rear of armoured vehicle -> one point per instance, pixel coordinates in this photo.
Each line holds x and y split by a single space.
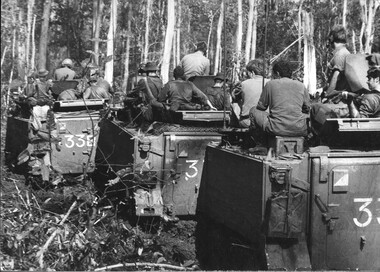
293 209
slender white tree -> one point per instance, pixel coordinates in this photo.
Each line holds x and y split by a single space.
168 42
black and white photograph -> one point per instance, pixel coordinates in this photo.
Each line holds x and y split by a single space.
190 135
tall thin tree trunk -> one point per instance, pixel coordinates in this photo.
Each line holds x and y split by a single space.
211 18
353 42
97 20
29 20
219 39
254 31
33 55
344 15
21 56
179 21
44 37
310 72
108 75
168 42
239 35
300 33
249 32
127 49
373 5
147 28
13 66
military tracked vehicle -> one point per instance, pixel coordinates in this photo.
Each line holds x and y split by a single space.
70 152
158 171
296 207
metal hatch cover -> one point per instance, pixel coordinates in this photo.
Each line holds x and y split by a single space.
353 221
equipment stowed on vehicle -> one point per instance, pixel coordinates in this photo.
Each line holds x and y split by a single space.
295 208
160 169
63 146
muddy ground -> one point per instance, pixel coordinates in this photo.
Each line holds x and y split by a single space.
60 228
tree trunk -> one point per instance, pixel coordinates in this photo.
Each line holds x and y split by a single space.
211 21
310 71
218 39
44 37
127 49
147 28
179 21
21 56
254 31
344 15
249 32
353 42
13 66
96 24
300 33
108 74
239 35
29 19
373 5
168 42
33 56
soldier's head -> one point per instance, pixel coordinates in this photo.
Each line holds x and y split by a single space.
179 73
373 76
202 46
282 68
255 67
67 63
150 68
337 35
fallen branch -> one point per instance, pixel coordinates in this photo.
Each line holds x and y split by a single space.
166 266
40 253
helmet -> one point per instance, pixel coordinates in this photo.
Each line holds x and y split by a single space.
68 62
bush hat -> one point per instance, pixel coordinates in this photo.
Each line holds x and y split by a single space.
220 76
150 67
43 72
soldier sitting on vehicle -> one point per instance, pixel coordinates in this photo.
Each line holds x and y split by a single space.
196 64
65 72
216 94
182 94
288 102
95 91
366 105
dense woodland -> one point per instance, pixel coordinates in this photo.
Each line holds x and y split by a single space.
119 35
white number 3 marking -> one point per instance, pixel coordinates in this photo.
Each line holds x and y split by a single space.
192 166
363 208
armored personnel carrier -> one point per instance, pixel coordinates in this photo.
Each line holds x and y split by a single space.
296 207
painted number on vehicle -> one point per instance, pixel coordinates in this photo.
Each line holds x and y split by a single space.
365 220
194 170
79 140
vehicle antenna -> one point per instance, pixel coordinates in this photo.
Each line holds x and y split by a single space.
224 64
265 42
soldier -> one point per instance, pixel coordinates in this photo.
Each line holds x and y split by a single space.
196 64
288 102
181 93
249 92
366 105
216 94
66 72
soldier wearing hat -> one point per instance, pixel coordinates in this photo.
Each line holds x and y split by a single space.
65 72
196 64
40 93
216 94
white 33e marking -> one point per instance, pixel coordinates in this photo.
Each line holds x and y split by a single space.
79 140
363 208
